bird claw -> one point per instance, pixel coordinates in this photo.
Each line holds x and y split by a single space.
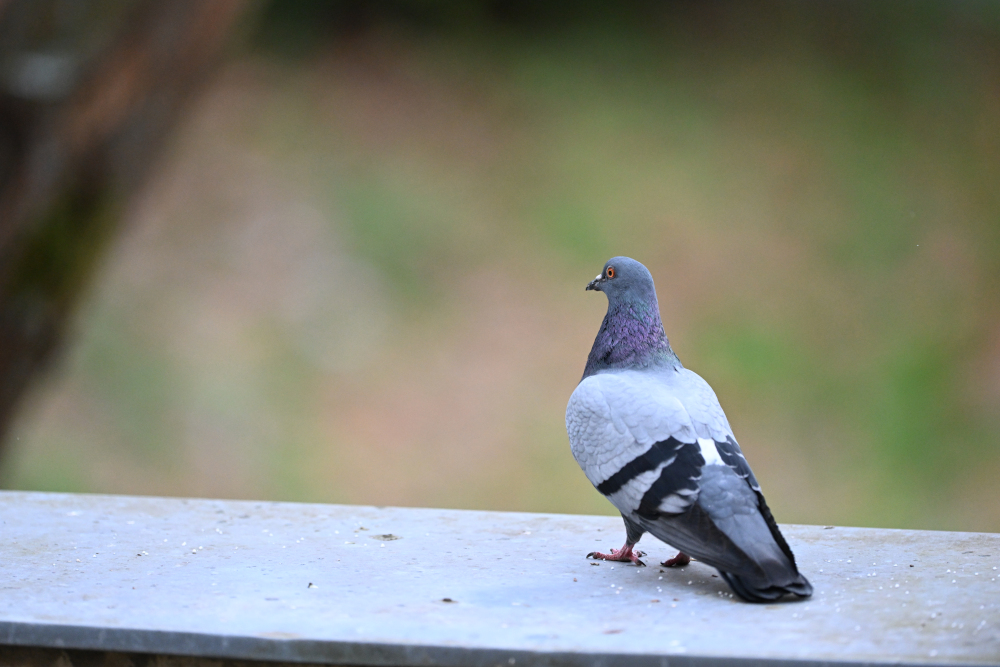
680 560
625 554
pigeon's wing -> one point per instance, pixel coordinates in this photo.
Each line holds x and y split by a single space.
639 437
635 441
730 499
706 413
700 402
710 421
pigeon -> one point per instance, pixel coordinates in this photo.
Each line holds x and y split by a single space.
651 436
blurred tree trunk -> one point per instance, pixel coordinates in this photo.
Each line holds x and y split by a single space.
88 91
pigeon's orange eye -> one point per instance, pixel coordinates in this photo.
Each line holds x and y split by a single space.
611 272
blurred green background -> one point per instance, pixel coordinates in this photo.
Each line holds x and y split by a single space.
357 274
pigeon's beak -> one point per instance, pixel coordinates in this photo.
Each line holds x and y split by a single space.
595 284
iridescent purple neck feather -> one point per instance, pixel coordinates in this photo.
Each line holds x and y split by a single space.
631 337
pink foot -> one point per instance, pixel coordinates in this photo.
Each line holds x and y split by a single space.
680 560
625 554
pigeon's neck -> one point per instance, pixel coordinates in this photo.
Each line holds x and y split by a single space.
631 337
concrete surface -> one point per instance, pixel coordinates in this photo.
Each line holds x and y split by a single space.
383 586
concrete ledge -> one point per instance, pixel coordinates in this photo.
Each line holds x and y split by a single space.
330 584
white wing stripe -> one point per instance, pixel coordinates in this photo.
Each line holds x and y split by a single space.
710 452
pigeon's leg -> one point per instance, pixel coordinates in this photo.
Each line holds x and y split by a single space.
680 560
632 534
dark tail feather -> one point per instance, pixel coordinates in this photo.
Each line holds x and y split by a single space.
755 593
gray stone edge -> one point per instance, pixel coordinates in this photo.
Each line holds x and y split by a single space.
376 654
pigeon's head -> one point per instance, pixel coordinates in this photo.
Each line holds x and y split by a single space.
624 279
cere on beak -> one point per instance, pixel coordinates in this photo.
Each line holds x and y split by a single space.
595 284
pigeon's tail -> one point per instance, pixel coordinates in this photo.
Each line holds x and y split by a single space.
774 572
752 591
791 581
731 528
754 564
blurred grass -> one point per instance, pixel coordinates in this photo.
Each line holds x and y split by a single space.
359 277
